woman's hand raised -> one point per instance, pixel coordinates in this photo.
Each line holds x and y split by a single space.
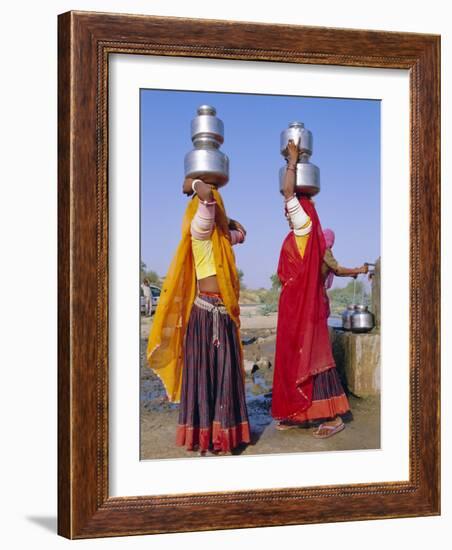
293 151
203 190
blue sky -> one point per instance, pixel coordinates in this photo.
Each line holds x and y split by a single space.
346 149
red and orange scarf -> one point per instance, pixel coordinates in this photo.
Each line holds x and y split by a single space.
303 347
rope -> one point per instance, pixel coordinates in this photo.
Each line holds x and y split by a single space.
215 310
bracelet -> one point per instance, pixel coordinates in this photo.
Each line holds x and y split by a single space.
193 184
291 167
290 198
207 203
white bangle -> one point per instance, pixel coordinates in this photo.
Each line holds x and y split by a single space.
290 198
193 185
303 231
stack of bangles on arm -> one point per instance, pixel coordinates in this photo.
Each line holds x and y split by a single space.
300 220
204 220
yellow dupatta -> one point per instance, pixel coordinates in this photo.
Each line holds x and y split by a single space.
166 339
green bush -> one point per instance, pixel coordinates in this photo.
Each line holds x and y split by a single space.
341 297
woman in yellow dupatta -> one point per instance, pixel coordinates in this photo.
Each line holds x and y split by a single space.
194 343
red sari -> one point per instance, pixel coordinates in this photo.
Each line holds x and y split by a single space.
303 348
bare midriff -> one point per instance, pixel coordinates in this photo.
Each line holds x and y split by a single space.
209 284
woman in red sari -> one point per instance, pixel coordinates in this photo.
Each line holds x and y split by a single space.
307 390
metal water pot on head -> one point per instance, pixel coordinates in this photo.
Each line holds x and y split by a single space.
362 319
206 161
307 174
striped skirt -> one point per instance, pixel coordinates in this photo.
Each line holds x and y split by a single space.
328 400
212 413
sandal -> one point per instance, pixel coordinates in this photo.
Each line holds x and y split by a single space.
331 430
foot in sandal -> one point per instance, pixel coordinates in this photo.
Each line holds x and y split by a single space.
283 426
328 429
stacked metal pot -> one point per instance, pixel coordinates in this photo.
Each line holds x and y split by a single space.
308 174
206 161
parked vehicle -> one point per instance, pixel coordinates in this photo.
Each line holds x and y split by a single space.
155 295
155 292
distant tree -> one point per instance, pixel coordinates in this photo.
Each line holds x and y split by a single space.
341 297
270 298
241 275
152 276
276 283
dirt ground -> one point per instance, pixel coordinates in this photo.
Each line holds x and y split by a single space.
159 417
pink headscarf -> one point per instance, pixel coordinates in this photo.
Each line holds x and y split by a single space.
329 240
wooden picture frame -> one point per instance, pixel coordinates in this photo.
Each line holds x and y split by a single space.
85 42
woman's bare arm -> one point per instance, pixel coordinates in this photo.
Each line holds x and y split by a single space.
204 191
290 176
350 271
238 232
339 270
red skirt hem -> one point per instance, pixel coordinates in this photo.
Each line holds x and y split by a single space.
323 408
216 437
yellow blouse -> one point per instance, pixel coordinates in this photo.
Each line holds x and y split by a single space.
203 257
302 240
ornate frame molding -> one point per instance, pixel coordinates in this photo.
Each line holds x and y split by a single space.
85 42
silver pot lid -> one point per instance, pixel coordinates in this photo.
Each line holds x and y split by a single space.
361 307
206 110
